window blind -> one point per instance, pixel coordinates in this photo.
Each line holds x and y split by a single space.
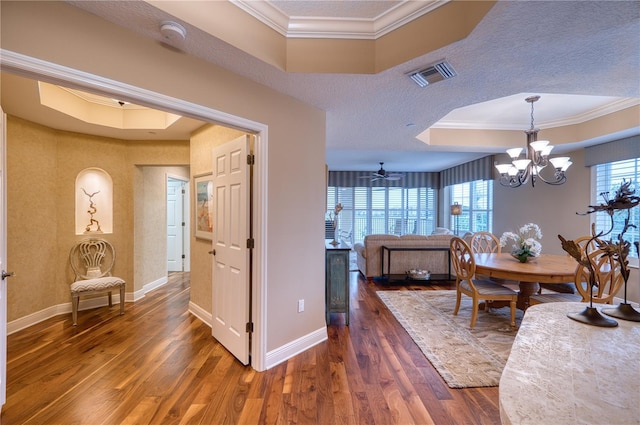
375 210
609 176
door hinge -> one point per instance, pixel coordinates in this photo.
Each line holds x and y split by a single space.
249 328
184 256
250 243
183 224
251 159
184 191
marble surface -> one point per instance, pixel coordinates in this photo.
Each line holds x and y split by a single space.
564 372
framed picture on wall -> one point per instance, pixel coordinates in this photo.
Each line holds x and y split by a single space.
204 206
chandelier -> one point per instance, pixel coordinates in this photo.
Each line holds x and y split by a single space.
535 161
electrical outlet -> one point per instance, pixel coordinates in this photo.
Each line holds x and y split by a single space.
300 306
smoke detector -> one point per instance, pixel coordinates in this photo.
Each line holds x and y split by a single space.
439 71
173 33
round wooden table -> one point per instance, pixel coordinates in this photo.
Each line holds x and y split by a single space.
547 268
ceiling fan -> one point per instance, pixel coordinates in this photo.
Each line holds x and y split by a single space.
382 174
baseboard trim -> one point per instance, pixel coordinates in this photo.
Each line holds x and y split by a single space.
65 308
85 304
200 313
285 352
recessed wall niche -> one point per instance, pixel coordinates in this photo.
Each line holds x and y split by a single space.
94 202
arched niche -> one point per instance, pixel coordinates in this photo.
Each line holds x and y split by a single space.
94 202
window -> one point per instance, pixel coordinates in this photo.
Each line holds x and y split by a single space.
608 178
476 198
394 210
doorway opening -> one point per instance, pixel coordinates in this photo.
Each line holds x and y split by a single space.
178 214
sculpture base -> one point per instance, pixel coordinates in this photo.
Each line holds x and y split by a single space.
334 242
591 316
623 311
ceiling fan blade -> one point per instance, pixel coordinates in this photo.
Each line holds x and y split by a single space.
394 178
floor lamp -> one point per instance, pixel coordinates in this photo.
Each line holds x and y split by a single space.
456 210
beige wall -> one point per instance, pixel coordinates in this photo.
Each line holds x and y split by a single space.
150 221
294 269
42 165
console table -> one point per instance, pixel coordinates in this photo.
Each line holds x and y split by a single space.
337 279
565 372
387 250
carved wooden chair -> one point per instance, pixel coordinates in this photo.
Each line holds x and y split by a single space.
569 287
92 261
608 277
478 289
485 242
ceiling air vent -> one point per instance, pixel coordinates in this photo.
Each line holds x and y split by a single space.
432 74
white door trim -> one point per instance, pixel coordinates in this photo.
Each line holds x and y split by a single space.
53 73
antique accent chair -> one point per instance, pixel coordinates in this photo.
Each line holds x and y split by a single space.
478 289
92 260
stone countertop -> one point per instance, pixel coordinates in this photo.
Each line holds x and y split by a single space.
561 371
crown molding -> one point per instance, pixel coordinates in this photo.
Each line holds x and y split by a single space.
342 28
610 108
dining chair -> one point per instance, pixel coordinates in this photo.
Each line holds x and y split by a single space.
608 280
569 287
486 290
485 242
92 260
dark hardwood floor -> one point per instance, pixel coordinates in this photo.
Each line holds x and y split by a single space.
158 364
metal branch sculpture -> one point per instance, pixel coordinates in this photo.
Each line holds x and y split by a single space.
624 200
92 210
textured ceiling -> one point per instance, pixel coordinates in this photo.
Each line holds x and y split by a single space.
551 48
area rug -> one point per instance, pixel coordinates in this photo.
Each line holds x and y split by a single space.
464 357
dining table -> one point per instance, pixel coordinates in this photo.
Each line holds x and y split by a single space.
546 268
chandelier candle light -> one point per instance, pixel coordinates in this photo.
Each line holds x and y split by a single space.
536 158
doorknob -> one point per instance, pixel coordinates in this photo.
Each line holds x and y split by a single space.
6 274
212 252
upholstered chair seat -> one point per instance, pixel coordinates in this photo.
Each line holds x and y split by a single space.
92 261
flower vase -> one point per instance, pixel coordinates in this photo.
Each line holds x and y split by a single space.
523 258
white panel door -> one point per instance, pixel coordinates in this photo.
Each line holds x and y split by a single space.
3 260
175 225
231 255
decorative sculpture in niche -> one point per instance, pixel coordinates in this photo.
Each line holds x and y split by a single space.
92 210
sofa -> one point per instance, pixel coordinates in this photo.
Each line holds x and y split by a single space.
369 251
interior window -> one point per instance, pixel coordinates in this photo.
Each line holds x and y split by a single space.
476 198
383 210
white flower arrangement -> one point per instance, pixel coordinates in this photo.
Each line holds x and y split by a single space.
525 243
